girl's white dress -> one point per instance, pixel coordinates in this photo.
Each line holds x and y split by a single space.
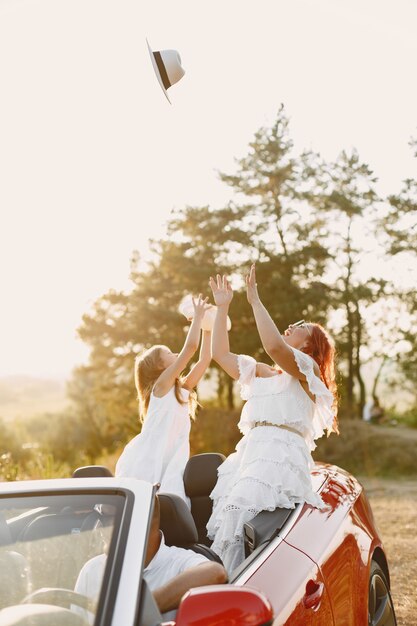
160 452
271 465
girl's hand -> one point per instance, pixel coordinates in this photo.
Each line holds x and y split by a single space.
200 307
251 286
222 290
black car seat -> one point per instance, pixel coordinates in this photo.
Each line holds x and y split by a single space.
179 528
200 478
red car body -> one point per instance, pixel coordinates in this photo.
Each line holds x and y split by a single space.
325 555
317 570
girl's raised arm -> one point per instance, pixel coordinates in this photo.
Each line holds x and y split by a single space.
223 294
198 370
168 377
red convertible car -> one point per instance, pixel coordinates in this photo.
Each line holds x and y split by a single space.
303 566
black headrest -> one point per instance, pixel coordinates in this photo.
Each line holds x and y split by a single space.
177 523
92 471
200 474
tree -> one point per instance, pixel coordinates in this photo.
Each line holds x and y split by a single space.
273 187
400 227
400 222
348 199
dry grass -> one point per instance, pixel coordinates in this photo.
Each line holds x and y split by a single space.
394 503
369 450
362 449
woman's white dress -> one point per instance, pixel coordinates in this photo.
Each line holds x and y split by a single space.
160 452
271 466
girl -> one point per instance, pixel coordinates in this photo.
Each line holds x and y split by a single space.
287 408
160 452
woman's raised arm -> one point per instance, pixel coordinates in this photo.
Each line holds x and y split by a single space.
271 338
220 348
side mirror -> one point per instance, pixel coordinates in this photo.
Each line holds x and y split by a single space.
224 604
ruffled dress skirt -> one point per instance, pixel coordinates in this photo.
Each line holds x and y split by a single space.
270 469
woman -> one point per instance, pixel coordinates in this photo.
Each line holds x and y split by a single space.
288 407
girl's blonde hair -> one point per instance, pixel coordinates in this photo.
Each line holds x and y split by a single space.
148 368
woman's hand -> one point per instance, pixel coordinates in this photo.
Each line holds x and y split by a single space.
251 286
222 290
200 307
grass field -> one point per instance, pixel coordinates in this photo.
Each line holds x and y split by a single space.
394 503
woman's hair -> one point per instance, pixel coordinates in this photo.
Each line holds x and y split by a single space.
148 368
320 347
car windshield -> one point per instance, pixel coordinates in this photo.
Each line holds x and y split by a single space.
54 551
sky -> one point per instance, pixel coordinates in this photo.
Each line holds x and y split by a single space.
93 158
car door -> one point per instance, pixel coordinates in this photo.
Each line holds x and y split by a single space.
336 539
293 584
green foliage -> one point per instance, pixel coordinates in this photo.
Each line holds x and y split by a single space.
408 418
47 446
347 196
400 222
215 430
400 227
13 451
44 465
362 448
9 469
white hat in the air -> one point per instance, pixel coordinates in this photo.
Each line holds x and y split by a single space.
167 66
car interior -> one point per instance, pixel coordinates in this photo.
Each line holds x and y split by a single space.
43 548
46 547
187 529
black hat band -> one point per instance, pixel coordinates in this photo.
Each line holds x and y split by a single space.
162 70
